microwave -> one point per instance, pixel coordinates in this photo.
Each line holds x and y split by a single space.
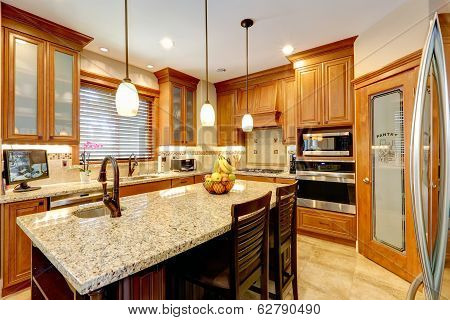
183 164
327 144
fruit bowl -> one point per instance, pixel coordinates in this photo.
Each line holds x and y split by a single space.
222 179
221 187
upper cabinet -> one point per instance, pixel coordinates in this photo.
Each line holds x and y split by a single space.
177 108
227 133
324 87
41 77
269 92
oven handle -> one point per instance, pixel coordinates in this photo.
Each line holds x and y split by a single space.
325 178
326 134
348 175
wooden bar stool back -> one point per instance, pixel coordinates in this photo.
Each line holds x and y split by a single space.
250 249
285 241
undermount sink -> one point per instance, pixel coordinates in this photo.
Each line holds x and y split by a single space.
93 212
138 178
89 213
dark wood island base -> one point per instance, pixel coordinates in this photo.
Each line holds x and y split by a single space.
47 283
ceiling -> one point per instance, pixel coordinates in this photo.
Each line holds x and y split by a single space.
302 23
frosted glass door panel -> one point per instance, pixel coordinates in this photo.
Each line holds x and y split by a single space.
177 106
25 87
388 189
189 116
63 94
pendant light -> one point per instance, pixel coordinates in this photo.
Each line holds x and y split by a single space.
247 119
207 115
127 98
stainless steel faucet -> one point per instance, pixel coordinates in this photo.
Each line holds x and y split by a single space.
112 203
131 167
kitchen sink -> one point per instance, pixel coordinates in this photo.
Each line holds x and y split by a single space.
137 178
94 212
89 213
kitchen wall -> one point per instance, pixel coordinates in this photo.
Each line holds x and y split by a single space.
401 32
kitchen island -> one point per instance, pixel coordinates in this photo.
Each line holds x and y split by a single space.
104 257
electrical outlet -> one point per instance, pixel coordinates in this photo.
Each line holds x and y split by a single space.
275 151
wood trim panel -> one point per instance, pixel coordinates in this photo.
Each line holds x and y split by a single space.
172 75
31 24
113 83
277 73
323 50
405 63
284 180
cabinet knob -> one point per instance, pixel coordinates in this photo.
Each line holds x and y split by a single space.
366 180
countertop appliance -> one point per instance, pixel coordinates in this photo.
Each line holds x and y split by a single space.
163 165
327 144
183 164
23 166
326 185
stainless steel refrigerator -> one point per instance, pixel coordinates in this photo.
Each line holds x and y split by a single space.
430 170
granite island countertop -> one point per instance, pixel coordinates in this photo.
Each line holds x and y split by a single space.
92 253
59 189
282 175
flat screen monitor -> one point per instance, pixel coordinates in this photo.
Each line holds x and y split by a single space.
22 166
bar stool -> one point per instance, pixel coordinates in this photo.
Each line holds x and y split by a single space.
284 234
231 266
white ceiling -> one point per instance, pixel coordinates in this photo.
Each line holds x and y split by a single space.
301 23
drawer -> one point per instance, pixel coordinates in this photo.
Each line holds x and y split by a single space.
199 179
180 182
284 180
327 223
144 188
255 178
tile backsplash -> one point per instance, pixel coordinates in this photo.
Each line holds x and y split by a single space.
265 149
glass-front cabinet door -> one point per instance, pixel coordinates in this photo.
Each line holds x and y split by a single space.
64 94
24 88
177 115
190 121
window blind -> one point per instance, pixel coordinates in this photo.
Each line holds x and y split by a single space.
119 136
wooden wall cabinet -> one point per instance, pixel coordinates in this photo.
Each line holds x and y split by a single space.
227 132
270 92
324 85
16 258
177 108
289 112
41 78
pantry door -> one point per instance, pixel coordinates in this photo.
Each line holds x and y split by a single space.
385 221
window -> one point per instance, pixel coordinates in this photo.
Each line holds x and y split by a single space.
119 136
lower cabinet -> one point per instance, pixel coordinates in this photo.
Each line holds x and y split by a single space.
265 179
338 227
16 258
181 182
144 188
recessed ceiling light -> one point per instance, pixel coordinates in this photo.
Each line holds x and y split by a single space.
166 43
221 70
150 66
103 49
288 49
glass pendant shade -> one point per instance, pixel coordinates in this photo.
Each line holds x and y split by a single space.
247 122
207 115
127 99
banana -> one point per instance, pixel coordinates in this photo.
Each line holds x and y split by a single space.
228 166
216 166
223 166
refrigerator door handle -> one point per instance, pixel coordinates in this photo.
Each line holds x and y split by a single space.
432 269
411 295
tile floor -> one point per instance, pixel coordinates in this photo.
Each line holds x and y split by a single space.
328 270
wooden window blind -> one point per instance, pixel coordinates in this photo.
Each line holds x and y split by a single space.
120 136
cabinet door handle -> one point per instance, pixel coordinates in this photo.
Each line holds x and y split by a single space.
366 180
41 203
